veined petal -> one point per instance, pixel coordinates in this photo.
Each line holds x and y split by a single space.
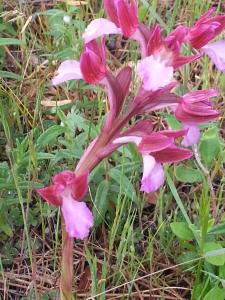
100 27
154 142
110 8
127 16
172 154
52 194
192 137
154 73
153 175
68 70
78 218
216 51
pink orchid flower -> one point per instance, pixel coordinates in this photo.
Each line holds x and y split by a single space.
216 51
163 56
206 29
195 108
123 16
67 191
91 68
156 148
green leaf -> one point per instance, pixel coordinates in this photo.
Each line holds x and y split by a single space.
214 253
4 226
125 185
182 231
217 229
49 136
186 174
101 202
9 41
209 146
11 75
172 122
215 293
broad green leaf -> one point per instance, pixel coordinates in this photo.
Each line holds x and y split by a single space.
186 174
49 136
9 41
214 253
101 202
215 293
209 146
182 230
125 185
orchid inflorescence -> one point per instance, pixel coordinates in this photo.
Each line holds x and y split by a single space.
160 56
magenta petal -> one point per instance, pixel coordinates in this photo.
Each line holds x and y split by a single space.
68 70
172 154
153 177
154 142
216 51
78 218
64 178
52 194
79 187
192 137
99 27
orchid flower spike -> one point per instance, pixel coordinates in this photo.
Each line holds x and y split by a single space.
67 191
195 108
156 148
91 68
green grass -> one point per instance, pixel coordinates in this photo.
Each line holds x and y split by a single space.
134 250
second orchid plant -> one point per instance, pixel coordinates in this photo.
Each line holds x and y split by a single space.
160 56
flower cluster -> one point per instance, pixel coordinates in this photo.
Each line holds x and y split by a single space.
160 56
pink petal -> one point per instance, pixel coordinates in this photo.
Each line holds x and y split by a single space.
216 51
111 11
153 175
124 79
127 16
154 142
79 187
68 70
99 27
154 72
192 137
172 154
52 194
127 139
142 128
174 133
64 178
78 218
